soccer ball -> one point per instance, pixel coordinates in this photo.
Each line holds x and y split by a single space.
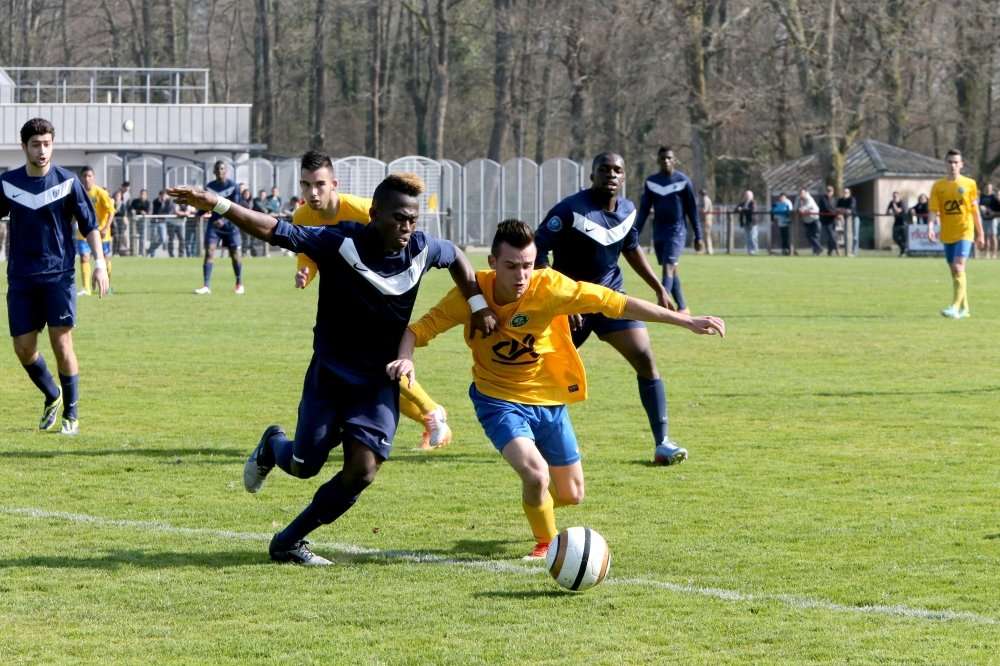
578 558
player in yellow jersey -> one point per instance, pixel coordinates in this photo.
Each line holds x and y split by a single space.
104 206
527 371
954 205
324 205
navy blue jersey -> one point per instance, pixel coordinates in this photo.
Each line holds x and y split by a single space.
366 296
226 189
586 240
42 210
672 200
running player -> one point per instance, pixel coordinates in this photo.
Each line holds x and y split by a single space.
954 205
326 206
586 233
219 229
42 200
372 275
670 195
524 376
104 207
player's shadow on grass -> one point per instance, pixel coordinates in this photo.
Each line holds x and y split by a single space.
117 559
198 456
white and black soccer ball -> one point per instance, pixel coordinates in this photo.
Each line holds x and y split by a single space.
578 558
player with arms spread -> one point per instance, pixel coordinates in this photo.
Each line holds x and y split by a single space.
326 206
587 232
220 229
42 200
526 374
104 207
372 275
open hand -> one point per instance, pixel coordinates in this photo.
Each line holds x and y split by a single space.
194 196
708 326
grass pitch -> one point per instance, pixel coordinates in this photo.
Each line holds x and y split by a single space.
840 504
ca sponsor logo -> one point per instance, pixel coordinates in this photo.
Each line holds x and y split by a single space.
516 352
953 206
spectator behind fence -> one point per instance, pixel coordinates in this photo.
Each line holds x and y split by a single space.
259 202
781 214
274 203
707 218
746 209
989 207
897 209
848 207
162 205
809 217
190 218
290 207
120 238
828 219
136 207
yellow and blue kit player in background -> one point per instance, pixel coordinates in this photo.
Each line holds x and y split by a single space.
324 205
954 204
104 208
529 370
42 201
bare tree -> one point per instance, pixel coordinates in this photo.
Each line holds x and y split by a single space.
503 64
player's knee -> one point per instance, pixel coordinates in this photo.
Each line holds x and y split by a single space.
572 495
305 469
535 480
25 351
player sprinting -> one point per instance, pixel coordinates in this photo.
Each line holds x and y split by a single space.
954 204
587 232
326 206
669 194
42 200
104 208
220 230
526 373
372 275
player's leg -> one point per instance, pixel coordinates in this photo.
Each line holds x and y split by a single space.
556 441
83 249
955 255
108 254
26 349
61 338
208 262
415 403
668 253
234 243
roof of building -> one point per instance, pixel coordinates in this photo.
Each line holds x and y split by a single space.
866 160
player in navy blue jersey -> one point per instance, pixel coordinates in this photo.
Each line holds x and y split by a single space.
586 233
371 274
42 200
222 230
670 196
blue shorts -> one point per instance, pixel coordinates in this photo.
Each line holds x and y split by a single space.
83 248
953 251
30 306
331 411
228 236
668 250
602 326
547 425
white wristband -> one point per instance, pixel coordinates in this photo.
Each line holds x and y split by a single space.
477 303
101 265
222 205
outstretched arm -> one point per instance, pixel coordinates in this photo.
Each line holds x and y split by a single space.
256 224
636 258
636 308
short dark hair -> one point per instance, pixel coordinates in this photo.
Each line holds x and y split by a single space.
953 152
409 184
126 183
664 149
314 159
217 164
36 127
86 169
515 233
605 156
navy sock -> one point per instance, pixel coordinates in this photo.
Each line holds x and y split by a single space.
238 269
281 449
206 271
71 394
42 378
329 503
668 283
676 292
654 401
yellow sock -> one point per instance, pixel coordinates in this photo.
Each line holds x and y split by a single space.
87 272
415 393
408 409
108 259
958 285
965 291
542 520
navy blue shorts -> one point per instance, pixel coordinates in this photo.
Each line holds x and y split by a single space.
602 325
229 236
668 250
546 425
31 306
332 410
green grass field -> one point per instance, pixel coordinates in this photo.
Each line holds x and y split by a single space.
841 503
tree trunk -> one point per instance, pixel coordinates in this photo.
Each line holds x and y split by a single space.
263 94
318 92
503 62
578 81
544 94
703 130
441 78
373 137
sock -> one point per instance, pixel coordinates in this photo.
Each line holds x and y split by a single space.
238 270
963 293
108 259
542 519
416 393
206 270
958 289
281 449
654 401
87 271
668 283
71 394
42 378
330 502
676 292
409 409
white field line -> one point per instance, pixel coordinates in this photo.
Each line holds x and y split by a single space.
506 567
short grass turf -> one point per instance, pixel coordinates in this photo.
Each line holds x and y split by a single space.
840 504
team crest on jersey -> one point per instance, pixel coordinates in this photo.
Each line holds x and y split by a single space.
555 224
520 319
961 190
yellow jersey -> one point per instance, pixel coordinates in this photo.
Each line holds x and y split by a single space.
104 207
350 209
957 203
531 358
